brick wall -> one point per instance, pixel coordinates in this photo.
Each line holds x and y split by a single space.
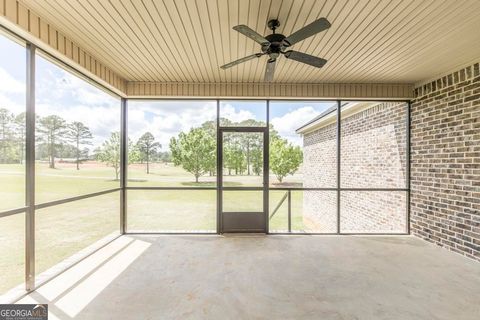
373 155
320 171
445 162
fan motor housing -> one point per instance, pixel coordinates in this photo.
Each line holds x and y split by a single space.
276 45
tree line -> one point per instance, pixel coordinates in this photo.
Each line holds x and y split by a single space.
12 136
195 150
145 150
56 138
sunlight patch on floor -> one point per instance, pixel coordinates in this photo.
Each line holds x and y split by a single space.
79 297
60 284
73 290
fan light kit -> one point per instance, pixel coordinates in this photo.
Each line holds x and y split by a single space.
276 44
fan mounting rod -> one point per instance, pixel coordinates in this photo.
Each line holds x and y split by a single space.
273 24
275 41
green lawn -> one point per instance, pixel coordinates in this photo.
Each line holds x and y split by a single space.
63 230
53 184
195 210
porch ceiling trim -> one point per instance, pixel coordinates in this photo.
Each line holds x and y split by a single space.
272 90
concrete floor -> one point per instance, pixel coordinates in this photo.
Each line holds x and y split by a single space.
266 277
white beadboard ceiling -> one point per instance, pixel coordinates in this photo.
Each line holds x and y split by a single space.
390 41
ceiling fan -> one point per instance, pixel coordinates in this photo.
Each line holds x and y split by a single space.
275 44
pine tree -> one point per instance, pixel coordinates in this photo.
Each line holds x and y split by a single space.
53 131
80 135
147 147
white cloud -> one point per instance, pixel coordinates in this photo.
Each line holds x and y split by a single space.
15 105
55 84
291 121
84 92
228 111
166 120
70 97
9 84
101 120
12 93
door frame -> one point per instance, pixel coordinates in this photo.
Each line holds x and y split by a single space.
221 188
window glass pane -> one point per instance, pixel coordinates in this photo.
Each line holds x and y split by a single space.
373 144
319 212
12 249
242 159
278 215
64 230
172 143
312 211
246 113
242 201
12 124
77 147
303 144
373 211
172 210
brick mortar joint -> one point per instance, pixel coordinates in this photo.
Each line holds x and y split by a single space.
447 81
444 166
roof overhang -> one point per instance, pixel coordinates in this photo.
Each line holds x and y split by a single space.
374 50
330 115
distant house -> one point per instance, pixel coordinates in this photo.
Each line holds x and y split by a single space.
373 155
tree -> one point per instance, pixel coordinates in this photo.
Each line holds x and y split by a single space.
210 128
134 155
244 151
6 118
147 147
233 153
235 160
194 151
6 121
163 156
53 132
80 135
257 161
251 142
66 151
109 153
20 133
285 158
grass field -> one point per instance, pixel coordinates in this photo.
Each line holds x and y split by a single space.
63 230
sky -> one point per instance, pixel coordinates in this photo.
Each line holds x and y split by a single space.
166 119
61 93
12 75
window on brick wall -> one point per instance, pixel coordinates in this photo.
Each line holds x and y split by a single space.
172 146
373 211
303 156
373 145
373 156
